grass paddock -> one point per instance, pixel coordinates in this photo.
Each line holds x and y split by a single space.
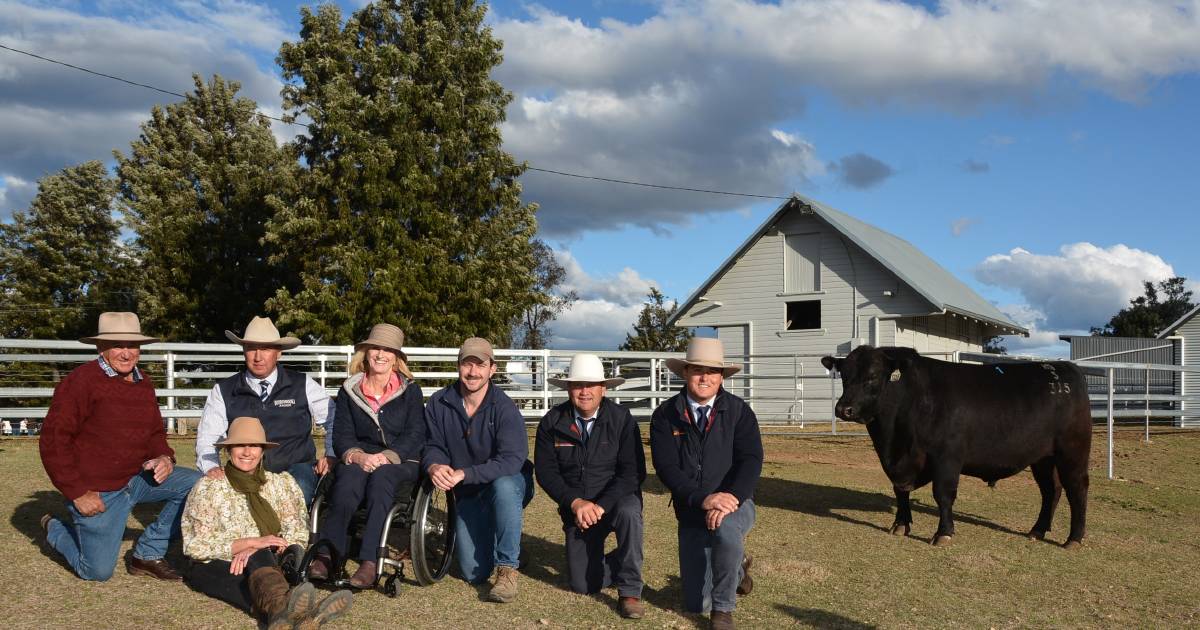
823 557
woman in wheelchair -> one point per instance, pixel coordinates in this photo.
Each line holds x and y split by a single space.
236 527
378 437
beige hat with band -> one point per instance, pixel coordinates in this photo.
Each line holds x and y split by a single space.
585 368
476 347
262 332
705 352
385 336
246 431
119 326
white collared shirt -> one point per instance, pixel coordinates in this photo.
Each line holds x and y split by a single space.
587 422
693 406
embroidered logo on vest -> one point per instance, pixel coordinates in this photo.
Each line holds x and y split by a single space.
286 402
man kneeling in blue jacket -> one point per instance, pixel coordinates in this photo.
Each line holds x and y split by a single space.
477 447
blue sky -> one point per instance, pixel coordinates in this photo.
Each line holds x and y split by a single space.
1044 153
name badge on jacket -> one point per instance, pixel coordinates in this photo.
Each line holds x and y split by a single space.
286 402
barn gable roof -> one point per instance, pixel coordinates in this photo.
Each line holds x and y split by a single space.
1169 330
938 286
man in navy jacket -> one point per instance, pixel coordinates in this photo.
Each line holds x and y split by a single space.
588 457
476 446
708 452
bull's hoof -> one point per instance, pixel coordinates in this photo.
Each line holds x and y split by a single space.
942 540
899 529
1072 544
1036 535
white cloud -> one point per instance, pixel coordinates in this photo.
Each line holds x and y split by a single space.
625 289
594 325
52 116
1083 286
1040 342
15 194
694 96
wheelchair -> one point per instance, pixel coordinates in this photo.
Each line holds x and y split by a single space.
420 525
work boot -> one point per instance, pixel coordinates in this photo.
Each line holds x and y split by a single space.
269 596
302 602
720 620
505 588
364 577
631 608
333 607
747 584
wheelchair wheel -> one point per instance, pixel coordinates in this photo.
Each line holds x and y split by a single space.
432 533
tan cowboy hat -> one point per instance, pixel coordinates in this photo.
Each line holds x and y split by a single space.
585 368
119 327
385 336
246 431
261 332
705 351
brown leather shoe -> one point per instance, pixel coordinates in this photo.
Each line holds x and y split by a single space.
631 608
747 584
364 577
318 568
154 568
720 620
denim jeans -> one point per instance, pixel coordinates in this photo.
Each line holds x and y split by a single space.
306 477
487 526
91 543
710 562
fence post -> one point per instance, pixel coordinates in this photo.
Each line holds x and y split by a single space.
545 380
1147 404
1110 423
171 386
322 360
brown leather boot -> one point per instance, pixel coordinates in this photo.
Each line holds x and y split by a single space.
269 596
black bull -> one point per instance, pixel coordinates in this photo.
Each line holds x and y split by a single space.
932 420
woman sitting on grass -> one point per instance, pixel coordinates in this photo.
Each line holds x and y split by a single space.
235 527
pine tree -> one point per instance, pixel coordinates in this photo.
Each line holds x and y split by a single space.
61 263
412 213
199 185
652 332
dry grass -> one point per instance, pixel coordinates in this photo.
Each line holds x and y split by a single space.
823 557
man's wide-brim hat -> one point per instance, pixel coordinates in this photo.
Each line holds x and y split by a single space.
585 368
385 336
119 327
246 431
705 352
262 332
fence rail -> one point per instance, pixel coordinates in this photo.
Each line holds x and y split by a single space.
791 394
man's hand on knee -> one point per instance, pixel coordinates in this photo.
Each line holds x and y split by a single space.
445 477
720 501
586 513
161 466
89 504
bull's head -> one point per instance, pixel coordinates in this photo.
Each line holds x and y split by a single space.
866 373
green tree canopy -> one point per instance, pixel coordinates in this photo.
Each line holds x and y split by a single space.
412 213
651 332
61 263
199 185
1148 314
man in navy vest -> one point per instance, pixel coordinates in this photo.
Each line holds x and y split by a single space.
287 402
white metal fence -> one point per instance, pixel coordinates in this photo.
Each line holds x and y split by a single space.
789 393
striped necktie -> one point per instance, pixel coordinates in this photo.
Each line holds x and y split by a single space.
263 394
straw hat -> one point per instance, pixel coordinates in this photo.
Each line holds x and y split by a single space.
385 336
261 332
707 352
246 431
119 327
585 368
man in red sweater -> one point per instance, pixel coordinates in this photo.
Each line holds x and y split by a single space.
104 447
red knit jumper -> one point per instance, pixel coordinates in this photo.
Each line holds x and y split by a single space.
99 431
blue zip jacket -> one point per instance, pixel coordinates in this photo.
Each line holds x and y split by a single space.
489 445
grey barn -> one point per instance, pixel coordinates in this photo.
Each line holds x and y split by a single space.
812 281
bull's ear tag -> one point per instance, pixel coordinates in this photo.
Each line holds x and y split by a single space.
895 376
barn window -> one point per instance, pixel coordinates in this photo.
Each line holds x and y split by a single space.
804 315
802 263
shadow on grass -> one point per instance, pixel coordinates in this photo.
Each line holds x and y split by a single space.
833 502
26 519
822 618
